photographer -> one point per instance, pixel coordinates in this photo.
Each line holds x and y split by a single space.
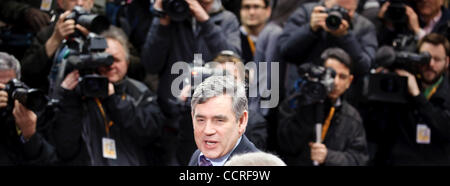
20 141
204 28
416 18
113 130
343 136
313 27
37 60
417 132
307 34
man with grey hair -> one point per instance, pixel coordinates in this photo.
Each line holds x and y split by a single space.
219 115
114 130
20 143
209 30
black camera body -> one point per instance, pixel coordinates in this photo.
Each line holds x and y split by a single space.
335 16
315 83
93 22
87 56
33 99
396 14
91 84
178 10
396 11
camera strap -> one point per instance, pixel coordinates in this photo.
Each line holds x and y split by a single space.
102 111
252 44
432 90
327 122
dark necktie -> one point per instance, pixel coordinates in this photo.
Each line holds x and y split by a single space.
204 161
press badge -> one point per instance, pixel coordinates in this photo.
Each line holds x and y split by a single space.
109 148
423 134
46 5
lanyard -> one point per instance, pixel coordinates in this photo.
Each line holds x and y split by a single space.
252 45
102 111
327 122
432 90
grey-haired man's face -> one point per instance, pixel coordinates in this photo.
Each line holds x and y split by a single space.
6 75
70 4
216 130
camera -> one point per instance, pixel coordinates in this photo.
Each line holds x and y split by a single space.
335 16
396 14
396 11
315 83
390 87
178 10
87 56
93 22
33 99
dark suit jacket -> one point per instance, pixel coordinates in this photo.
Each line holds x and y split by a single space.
244 146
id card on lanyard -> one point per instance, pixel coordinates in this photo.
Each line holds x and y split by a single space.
423 134
108 144
46 5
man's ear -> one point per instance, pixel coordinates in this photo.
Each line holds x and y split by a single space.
350 80
242 122
269 12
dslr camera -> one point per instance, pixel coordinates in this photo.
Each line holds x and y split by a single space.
93 22
390 87
335 16
396 14
87 59
32 99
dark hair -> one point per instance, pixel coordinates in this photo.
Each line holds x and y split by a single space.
435 39
338 54
266 2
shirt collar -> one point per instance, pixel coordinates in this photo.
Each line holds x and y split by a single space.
220 161
252 37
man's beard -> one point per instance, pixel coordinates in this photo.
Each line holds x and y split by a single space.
434 80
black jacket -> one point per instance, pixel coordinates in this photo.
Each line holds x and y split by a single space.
345 139
177 42
298 43
396 126
80 127
245 146
13 151
36 64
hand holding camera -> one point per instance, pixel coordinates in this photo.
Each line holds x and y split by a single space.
179 10
398 14
25 120
413 88
198 11
335 20
318 17
3 96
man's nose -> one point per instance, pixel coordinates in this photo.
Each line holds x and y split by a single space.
80 2
209 128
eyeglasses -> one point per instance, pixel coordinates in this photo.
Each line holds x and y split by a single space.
256 7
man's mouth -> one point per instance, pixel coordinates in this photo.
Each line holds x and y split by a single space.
210 143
